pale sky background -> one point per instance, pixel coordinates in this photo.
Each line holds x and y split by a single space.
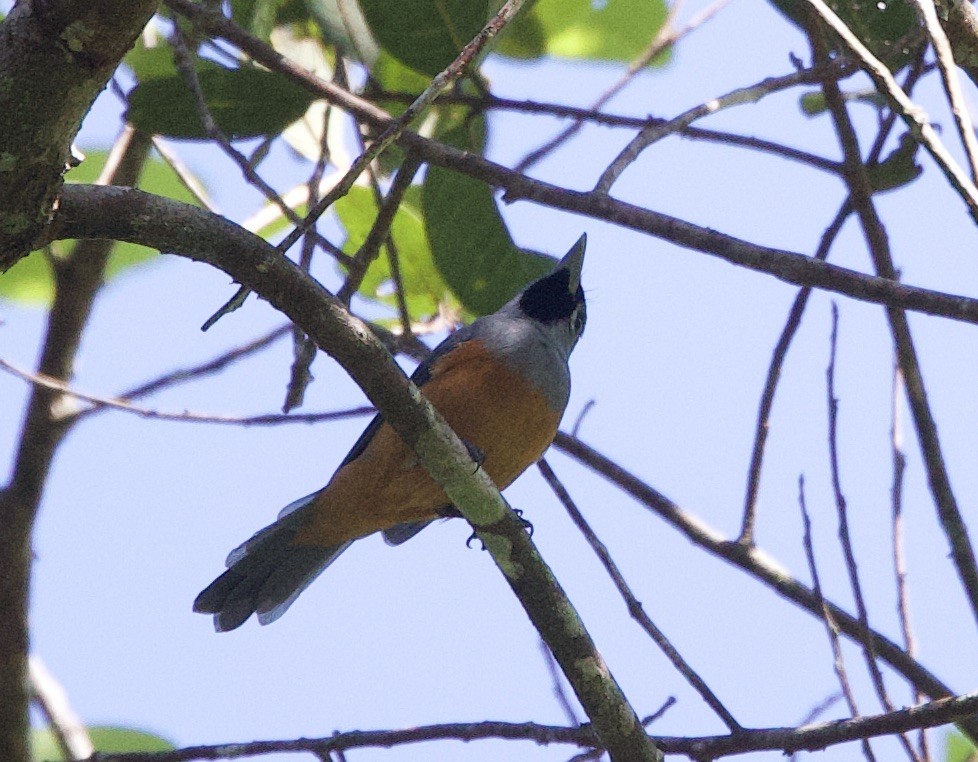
139 515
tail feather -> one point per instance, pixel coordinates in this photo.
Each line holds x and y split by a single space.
266 573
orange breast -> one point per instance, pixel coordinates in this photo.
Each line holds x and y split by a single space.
485 402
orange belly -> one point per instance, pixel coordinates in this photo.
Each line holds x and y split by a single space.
487 405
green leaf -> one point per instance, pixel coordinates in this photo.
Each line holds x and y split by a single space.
150 63
426 35
813 103
959 749
424 288
106 739
613 30
244 102
31 282
899 168
470 243
260 17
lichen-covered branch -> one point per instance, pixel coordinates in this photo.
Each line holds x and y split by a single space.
125 214
55 58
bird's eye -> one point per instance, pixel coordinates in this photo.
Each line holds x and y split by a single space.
580 318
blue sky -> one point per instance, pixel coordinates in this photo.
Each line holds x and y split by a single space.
139 515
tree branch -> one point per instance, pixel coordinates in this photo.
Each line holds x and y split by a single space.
129 215
77 278
759 565
785 265
787 740
55 58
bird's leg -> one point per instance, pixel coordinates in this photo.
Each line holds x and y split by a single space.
476 453
527 526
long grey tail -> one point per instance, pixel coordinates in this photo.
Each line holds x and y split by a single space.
266 573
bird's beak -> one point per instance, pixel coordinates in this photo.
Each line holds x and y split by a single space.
574 262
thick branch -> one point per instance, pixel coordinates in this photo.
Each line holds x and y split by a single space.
55 58
128 215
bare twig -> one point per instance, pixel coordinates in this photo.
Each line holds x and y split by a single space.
183 172
303 348
559 692
51 697
393 129
740 96
914 116
831 628
635 608
845 537
860 192
774 375
381 228
791 327
195 372
99 402
666 38
899 558
760 565
183 58
786 740
592 116
952 85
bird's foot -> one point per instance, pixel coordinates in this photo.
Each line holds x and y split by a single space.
477 454
527 527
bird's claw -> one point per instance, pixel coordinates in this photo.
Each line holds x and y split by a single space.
476 453
527 527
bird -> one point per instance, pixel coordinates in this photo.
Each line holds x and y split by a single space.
502 383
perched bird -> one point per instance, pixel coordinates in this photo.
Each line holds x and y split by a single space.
502 383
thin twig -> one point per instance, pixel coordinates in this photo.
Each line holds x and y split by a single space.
778 357
184 174
949 515
817 711
831 628
914 116
396 127
665 38
558 686
635 608
52 699
381 228
845 537
590 115
192 373
757 563
952 85
742 95
303 348
899 557
183 59
46 382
